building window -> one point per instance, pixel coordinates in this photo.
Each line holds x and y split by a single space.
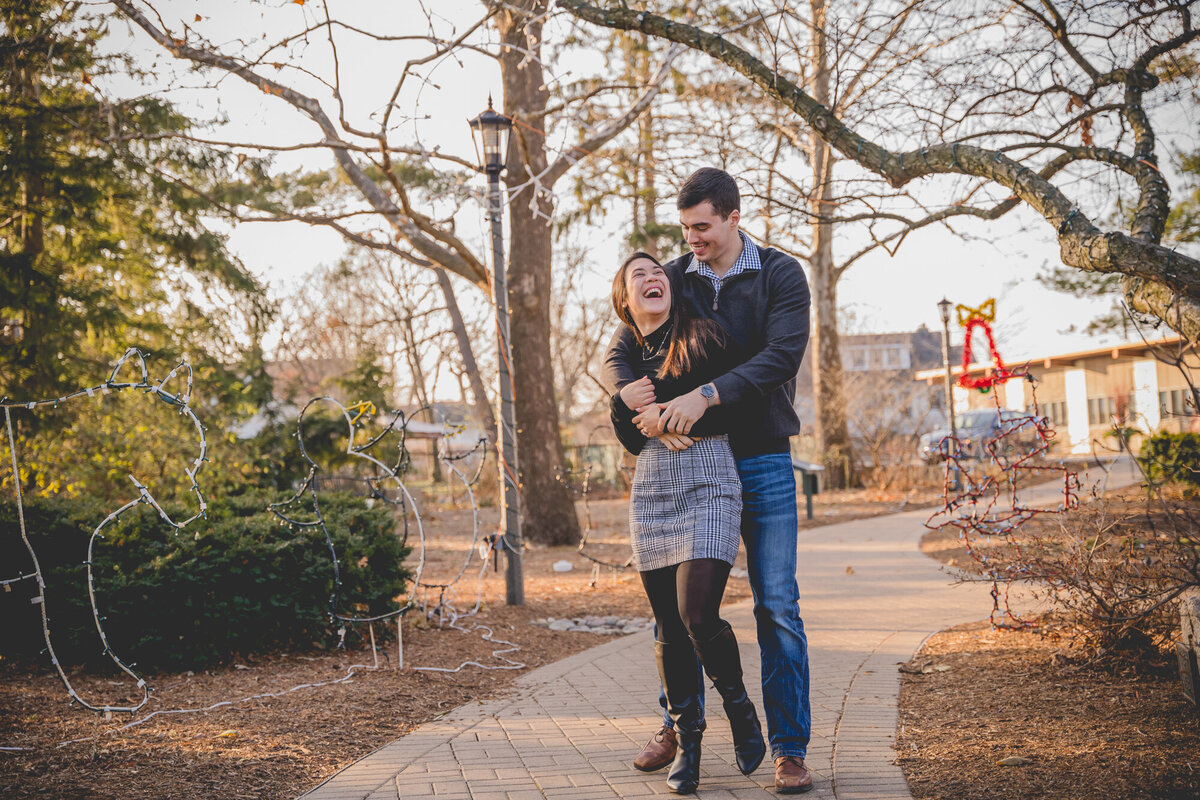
870 358
1176 402
896 357
856 358
1106 410
1055 412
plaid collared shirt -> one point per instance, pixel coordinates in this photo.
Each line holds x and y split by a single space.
747 261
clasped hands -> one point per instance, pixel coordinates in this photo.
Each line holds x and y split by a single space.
672 421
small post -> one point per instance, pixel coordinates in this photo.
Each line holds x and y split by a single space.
808 481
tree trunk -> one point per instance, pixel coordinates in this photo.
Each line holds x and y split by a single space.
548 513
40 291
419 390
647 171
832 431
483 407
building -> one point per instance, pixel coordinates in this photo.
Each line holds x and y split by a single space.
878 370
1146 385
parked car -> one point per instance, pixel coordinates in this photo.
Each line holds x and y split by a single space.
979 427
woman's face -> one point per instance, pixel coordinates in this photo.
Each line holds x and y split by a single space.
649 293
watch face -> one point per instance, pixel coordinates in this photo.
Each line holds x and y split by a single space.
708 391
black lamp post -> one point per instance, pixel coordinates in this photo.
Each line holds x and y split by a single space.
944 307
491 130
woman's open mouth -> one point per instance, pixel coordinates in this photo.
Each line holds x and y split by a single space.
652 292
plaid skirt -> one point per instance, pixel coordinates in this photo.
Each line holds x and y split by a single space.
685 505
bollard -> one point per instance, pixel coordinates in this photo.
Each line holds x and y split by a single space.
1187 649
809 481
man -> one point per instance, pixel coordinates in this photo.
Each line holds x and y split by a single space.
760 296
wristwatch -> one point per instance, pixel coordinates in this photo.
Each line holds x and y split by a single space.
708 392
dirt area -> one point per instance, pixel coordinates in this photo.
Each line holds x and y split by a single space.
975 697
1082 734
279 747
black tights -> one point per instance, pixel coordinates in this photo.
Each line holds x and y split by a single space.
686 599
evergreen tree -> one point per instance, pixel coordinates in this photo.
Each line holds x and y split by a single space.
103 242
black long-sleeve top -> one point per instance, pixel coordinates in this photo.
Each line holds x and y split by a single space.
642 361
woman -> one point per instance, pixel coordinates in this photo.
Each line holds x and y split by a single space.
685 513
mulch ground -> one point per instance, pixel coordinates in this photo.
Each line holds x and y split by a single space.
974 697
279 747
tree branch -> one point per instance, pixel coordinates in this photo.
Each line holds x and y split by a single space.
458 260
605 134
1166 274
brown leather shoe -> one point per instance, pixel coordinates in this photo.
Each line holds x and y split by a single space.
658 752
791 776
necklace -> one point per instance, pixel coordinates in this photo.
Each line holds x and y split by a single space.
650 352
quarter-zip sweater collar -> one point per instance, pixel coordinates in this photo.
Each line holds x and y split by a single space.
748 260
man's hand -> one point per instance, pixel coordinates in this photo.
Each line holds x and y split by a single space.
680 414
674 441
647 421
638 394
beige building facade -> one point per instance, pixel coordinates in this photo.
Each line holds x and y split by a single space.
1145 385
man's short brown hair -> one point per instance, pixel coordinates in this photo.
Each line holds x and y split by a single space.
714 185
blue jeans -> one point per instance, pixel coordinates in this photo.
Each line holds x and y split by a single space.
769 524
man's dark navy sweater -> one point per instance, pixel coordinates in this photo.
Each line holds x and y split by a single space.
765 311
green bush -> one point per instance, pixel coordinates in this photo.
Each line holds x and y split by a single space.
238 582
1172 458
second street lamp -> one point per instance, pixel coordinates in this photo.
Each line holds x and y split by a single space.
492 130
944 307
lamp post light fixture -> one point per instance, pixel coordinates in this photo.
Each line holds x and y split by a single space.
491 130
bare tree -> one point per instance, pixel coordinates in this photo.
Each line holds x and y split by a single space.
374 305
887 412
367 156
1039 107
796 187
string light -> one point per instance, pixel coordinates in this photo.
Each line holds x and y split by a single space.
385 475
982 317
975 507
444 609
159 391
585 493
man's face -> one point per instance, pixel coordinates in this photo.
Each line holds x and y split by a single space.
710 237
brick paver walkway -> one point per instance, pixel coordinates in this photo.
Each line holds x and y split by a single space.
568 731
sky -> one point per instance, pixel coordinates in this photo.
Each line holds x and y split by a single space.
881 293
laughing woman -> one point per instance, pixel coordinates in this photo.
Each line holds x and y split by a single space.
684 512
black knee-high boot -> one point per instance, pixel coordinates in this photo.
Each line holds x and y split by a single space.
677 670
722 662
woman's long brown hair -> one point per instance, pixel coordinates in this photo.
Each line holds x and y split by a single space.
690 337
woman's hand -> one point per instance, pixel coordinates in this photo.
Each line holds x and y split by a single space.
638 394
647 421
676 441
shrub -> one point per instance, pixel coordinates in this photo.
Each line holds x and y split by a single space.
1172 458
1111 569
237 582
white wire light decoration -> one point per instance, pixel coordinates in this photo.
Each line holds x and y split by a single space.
159 391
385 477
